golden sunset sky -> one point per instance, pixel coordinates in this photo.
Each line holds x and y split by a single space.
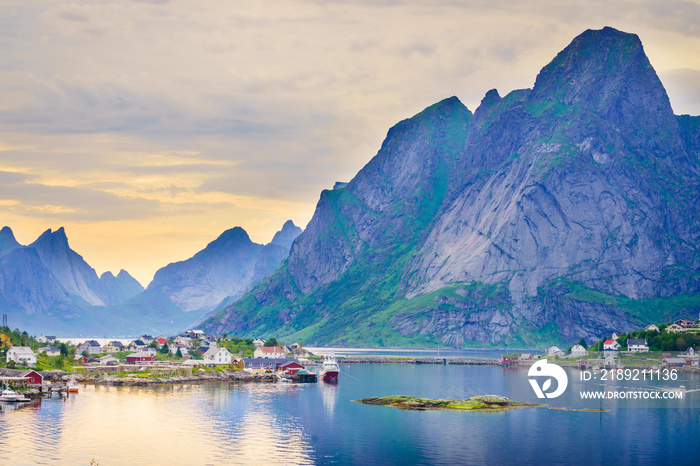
147 128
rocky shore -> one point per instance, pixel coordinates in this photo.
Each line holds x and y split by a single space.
475 403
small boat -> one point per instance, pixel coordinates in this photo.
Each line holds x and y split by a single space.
12 396
330 370
72 385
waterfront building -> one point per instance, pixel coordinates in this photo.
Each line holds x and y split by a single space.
22 355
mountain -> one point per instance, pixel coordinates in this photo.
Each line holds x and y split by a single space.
564 211
227 268
48 286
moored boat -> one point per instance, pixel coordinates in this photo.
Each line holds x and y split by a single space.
330 370
72 385
12 396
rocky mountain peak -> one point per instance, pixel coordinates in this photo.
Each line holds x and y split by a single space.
56 240
286 236
7 240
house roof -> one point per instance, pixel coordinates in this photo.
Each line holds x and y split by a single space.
610 342
21 349
117 344
278 362
215 351
91 343
578 348
139 343
636 342
161 340
271 349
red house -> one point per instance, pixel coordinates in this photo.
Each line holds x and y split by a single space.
140 357
33 377
291 367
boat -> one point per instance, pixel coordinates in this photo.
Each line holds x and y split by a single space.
72 385
12 396
330 370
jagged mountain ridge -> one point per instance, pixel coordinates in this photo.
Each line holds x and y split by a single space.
223 271
48 287
550 214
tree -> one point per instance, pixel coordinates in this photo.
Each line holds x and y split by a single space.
583 343
178 353
64 349
164 349
271 342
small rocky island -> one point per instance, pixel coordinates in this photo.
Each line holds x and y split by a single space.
475 403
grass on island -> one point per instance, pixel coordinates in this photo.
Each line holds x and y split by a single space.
475 403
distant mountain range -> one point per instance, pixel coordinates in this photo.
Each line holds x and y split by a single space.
48 287
564 211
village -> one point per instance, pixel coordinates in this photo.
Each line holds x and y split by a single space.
189 357
653 346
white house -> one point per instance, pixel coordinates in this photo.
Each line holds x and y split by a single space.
108 360
651 327
637 345
187 341
578 351
178 346
22 355
272 352
555 351
217 356
146 350
91 346
258 342
615 336
46 339
611 345
49 350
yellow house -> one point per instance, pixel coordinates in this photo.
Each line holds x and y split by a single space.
5 341
675 328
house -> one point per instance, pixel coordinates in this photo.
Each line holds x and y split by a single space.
675 328
147 350
160 341
208 342
22 355
675 362
79 358
274 352
651 327
91 346
615 336
178 346
46 339
108 360
139 357
611 345
508 360
195 334
183 340
33 377
685 323
258 342
113 347
147 339
525 357
136 345
265 363
49 351
635 345
291 367
555 351
217 356
578 351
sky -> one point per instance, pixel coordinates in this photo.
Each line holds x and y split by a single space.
146 128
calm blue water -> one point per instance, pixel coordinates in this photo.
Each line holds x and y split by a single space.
320 424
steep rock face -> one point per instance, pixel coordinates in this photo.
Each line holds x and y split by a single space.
7 240
68 268
389 201
227 268
47 285
555 213
120 288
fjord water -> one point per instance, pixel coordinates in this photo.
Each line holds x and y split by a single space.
229 423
